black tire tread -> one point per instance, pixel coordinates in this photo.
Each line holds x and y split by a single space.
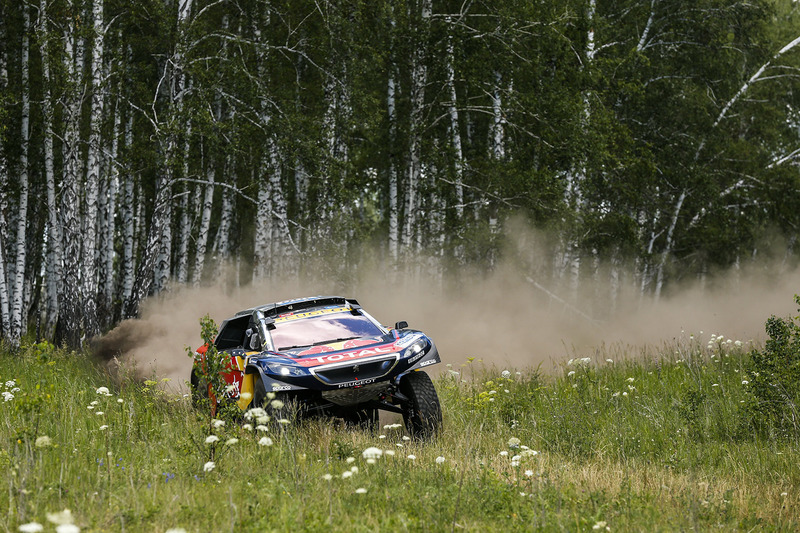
423 414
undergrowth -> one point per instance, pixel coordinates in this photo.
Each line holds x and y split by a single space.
625 439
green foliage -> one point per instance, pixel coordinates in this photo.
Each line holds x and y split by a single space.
774 375
604 444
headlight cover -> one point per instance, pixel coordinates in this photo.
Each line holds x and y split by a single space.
415 349
284 370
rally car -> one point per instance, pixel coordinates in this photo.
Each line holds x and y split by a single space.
326 355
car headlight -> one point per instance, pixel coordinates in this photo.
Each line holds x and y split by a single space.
284 370
414 349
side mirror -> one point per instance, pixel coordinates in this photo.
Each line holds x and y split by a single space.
401 325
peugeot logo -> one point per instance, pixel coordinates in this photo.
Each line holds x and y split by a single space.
356 368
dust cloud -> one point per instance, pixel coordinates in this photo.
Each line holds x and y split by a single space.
506 318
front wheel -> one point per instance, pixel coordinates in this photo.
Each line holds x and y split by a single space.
422 412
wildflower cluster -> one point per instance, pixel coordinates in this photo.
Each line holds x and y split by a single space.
63 520
9 388
519 454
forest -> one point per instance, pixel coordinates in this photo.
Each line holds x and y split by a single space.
149 144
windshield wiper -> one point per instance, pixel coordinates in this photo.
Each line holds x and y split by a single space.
335 340
328 341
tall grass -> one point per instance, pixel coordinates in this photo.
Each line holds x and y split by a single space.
624 439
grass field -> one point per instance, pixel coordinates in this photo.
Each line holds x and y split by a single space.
623 439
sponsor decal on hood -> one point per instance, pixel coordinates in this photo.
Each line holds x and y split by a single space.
351 355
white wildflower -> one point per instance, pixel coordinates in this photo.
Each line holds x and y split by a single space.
327 477
216 424
361 490
67 528
31 527
231 441
211 439
63 517
513 442
440 460
209 466
505 374
103 391
265 441
277 404
372 453
346 474
43 442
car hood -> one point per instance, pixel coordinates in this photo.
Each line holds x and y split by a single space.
350 350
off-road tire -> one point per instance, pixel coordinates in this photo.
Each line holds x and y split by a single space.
199 389
422 413
260 400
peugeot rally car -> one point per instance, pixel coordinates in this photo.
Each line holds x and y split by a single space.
326 355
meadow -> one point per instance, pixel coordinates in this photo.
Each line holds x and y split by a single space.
621 439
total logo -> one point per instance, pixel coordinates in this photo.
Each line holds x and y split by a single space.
347 356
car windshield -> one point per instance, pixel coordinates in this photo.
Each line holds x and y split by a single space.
321 329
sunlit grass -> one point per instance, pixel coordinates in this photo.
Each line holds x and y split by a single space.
624 439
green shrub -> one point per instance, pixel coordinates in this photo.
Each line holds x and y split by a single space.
774 380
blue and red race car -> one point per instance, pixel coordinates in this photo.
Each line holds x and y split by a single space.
326 355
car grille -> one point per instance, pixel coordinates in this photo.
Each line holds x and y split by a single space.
351 396
352 371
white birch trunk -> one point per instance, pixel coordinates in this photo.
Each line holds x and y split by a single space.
53 270
263 223
111 211
91 188
69 325
455 132
18 321
205 224
221 246
152 249
182 268
128 223
394 208
668 245
498 121
5 311
419 78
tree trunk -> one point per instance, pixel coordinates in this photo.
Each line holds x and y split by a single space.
91 189
394 208
145 273
261 251
455 132
5 314
18 320
69 319
205 223
128 214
